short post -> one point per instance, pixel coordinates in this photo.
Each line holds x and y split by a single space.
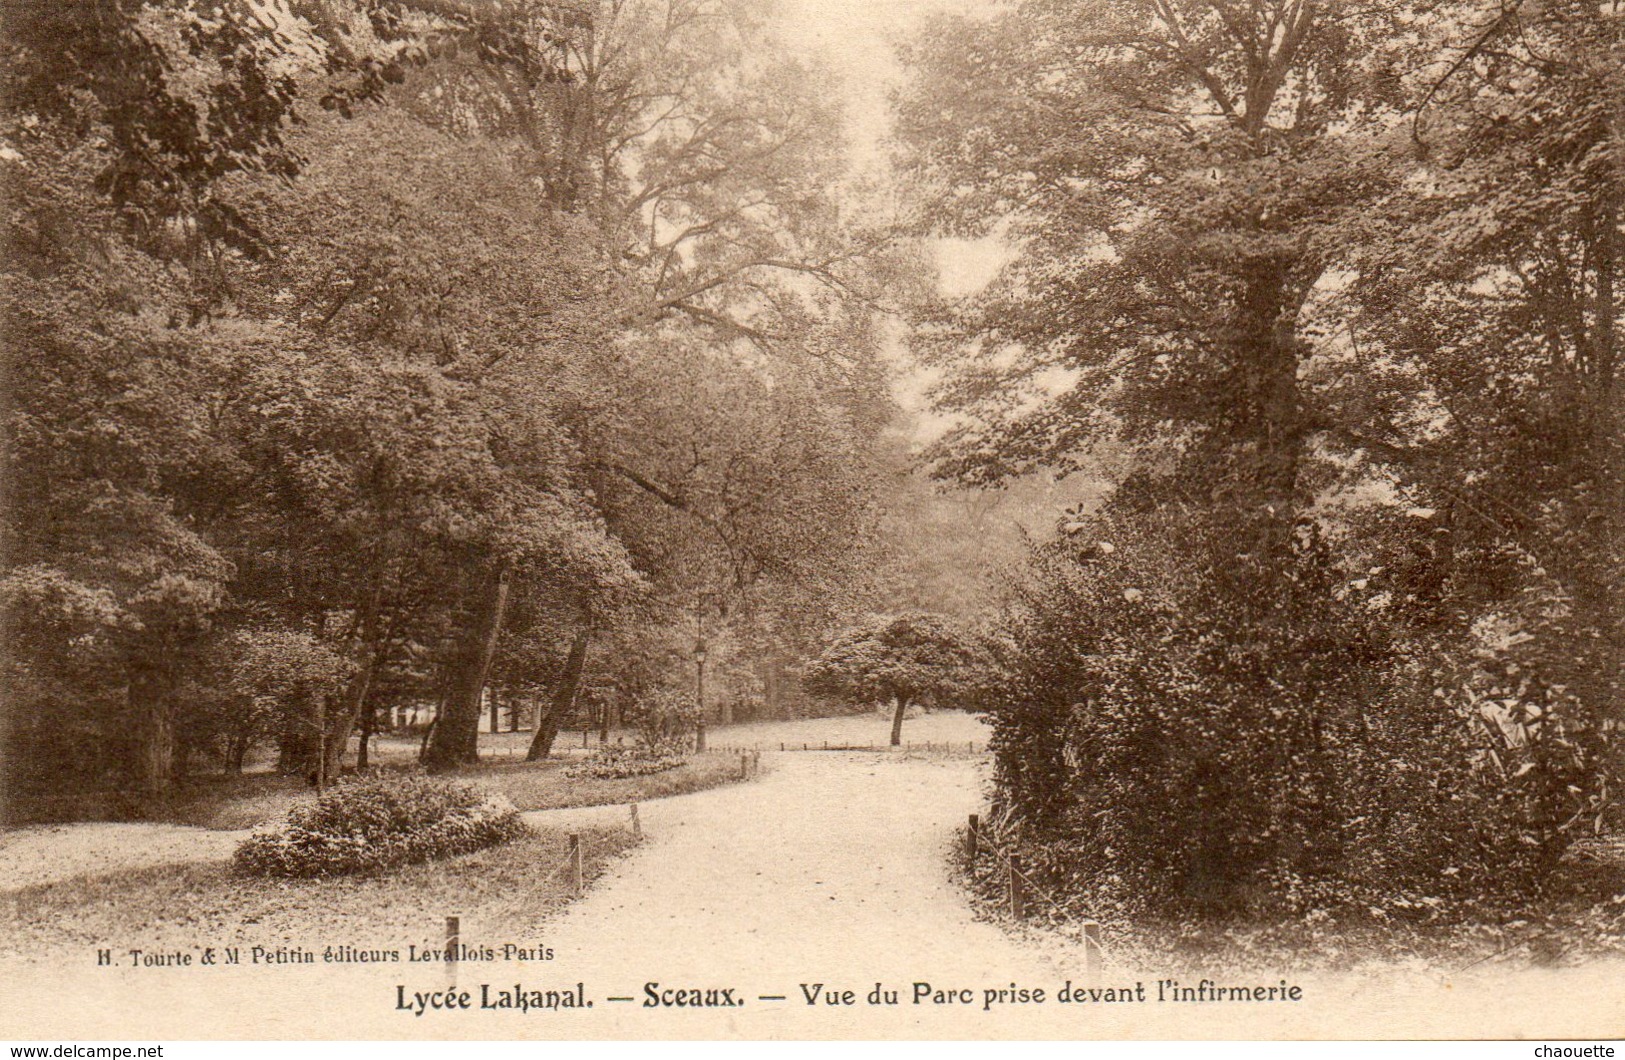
781 745
1018 896
453 936
970 839
575 864
637 825
744 765
1091 948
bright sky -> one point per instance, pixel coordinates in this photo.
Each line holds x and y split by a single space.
857 39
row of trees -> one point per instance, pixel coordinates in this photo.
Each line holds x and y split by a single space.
361 352
1338 283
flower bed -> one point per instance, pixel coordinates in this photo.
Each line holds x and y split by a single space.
615 763
373 823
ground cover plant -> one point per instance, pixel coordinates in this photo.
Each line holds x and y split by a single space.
374 822
617 763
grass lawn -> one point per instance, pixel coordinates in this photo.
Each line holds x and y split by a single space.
226 802
501 893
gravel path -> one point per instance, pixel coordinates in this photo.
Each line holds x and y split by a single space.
830 869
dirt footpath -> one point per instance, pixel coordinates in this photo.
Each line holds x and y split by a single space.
830 869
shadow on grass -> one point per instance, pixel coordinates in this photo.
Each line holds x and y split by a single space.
501 894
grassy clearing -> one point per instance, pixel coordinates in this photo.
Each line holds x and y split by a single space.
231 803
501 893
947 730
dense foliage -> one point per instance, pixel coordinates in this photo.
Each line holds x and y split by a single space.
1332 288
397 354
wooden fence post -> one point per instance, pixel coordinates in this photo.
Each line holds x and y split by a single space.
575 864
1091 948
970 840
1018 896
744 767
637 825
453 935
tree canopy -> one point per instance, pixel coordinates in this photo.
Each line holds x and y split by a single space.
391 350
904 660
1330 291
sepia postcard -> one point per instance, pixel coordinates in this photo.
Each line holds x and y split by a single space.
812 520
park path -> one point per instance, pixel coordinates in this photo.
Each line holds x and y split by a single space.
830 868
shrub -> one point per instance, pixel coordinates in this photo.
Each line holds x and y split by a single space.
617 763
1222 731
372 823
665 718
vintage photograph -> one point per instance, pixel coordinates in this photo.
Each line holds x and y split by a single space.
812 519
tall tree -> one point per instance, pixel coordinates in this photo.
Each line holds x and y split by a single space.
1168 252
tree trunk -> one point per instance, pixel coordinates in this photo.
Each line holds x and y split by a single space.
369 724
897 721
151 710
547 724
456 738
296 746
428 733
236 752
1268 351
341 722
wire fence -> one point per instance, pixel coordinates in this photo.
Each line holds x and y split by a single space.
572 867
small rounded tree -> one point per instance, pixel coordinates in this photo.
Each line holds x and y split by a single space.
904 659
